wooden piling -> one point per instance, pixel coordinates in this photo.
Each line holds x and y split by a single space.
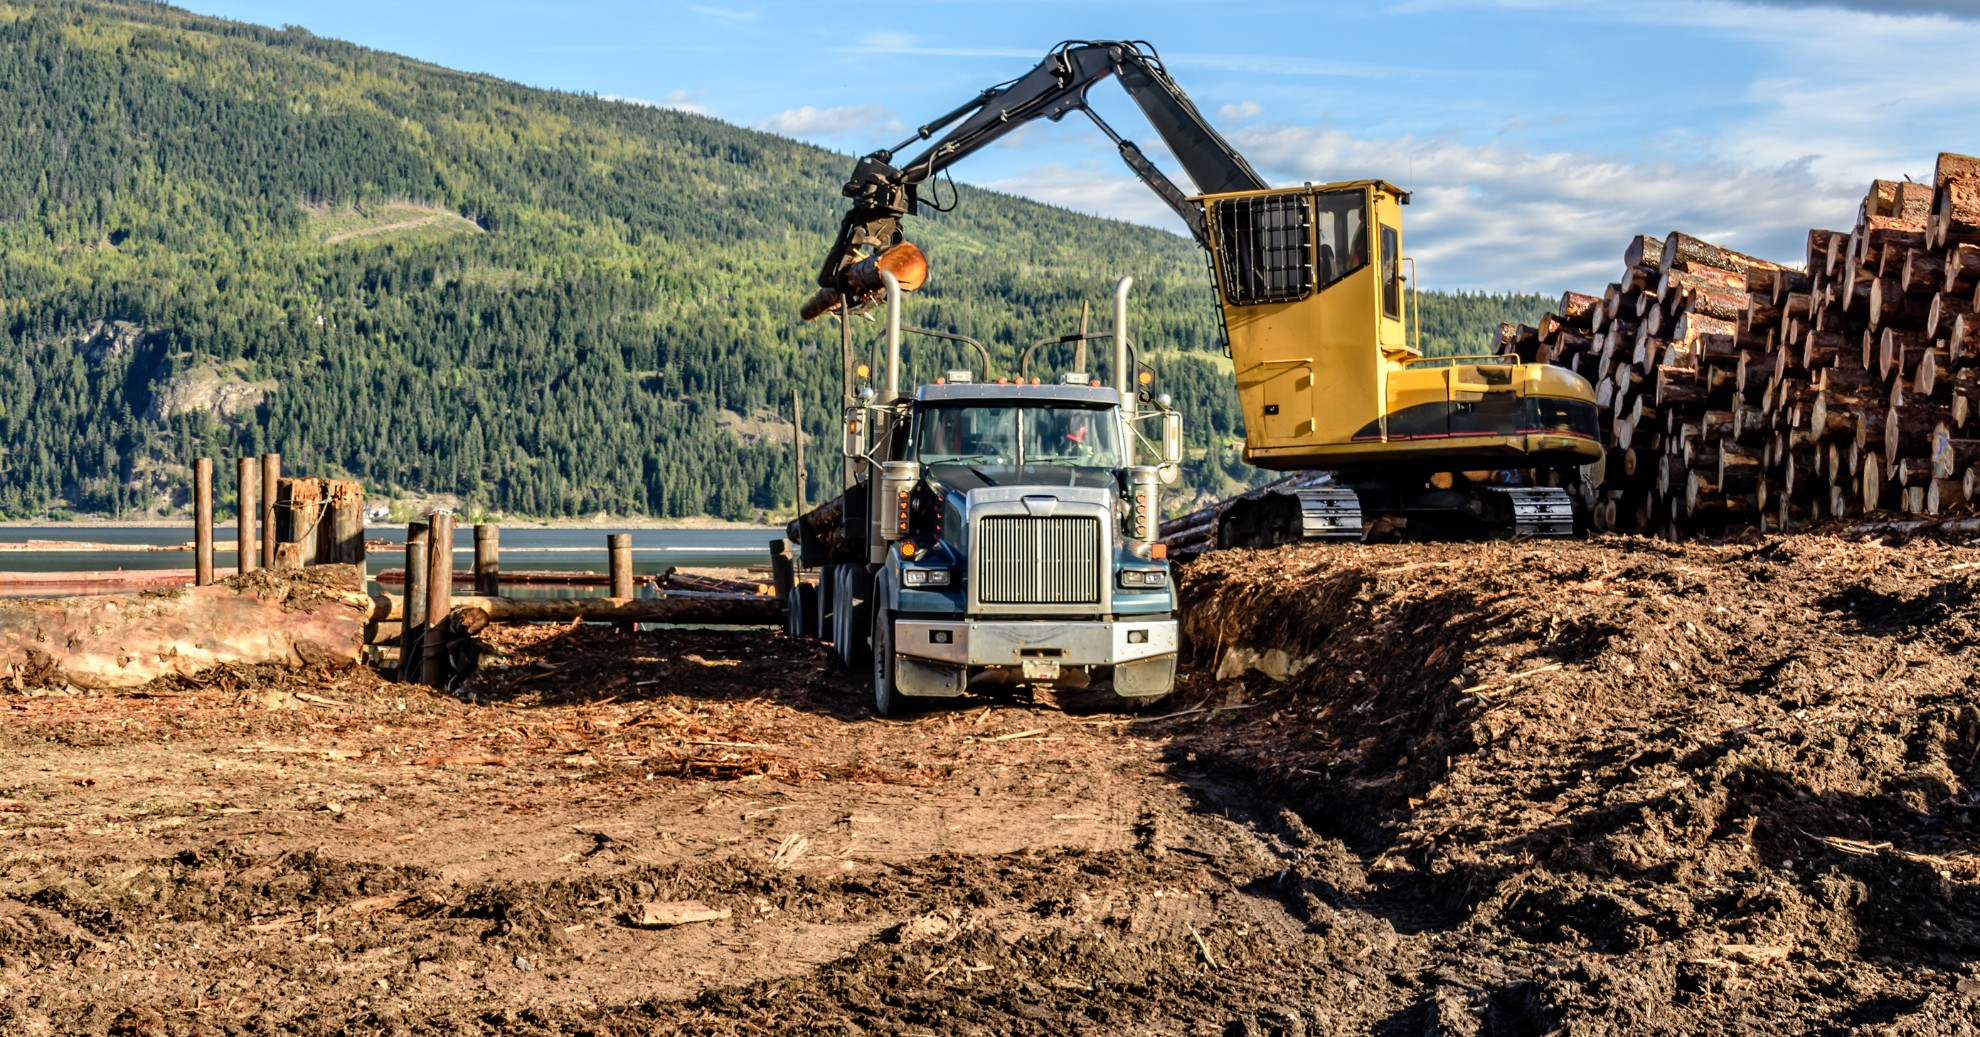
412 645
271 478
346 523
783 573
619 547
487 559
797 449
246 551
202 521
439 596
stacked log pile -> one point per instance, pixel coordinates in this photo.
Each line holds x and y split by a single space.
1739 392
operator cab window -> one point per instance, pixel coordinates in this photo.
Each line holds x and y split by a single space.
1343 224
1391 273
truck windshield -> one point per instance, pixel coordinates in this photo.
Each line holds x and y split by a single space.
993 436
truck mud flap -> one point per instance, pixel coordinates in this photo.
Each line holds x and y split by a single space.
927 680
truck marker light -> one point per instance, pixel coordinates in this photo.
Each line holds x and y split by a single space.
907 549
1159 551
941 637
862 370
1146 377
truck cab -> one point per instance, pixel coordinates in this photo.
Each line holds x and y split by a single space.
1002 531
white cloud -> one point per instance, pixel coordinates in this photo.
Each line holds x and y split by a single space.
1503 217
1240 111
678 100
1089 188
725 14
817 122
1899 8
888 42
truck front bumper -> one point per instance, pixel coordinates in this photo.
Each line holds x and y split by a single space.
1007 642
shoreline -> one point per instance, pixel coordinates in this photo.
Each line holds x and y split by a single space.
699 522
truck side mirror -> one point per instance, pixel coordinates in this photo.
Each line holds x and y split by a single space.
1172 445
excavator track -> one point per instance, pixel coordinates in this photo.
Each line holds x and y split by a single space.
1329 513
1537 511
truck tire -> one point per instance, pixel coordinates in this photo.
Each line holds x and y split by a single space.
799 610
887 699
850 616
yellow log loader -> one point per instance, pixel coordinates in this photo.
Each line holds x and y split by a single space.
1316 297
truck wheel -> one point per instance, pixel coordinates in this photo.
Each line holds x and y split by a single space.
842 616
798 608
887 699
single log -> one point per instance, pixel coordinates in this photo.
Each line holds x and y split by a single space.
1912 471
1899 352
1934 362
1952 455
439 597
1823 248
202 521
1908 430
1750 426
1924 271
1890 307
1963 338
1871 483
271 478
1755 375
1965 394
1695 253
863 283
1871 420
1941 310
1739 468
488 558
247 553
1679 386
1800 480
122 641
1577 310
1955 218
1821 349
1944 495
1643 250
1962 268
412 612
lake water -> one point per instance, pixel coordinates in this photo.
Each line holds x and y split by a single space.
654 550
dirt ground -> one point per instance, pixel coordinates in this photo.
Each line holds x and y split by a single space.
1619 787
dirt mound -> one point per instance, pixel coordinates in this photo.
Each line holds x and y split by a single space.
1679 784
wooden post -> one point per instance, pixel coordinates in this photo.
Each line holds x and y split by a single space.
487 559
346 523
439 597
203 521
783 574
271 476
246 552
797 448
412 645
619 546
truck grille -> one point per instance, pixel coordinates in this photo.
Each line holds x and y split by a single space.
1036 561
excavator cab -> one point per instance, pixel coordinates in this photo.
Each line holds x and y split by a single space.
1315 296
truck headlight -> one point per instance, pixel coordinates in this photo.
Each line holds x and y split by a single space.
1144 578
925 577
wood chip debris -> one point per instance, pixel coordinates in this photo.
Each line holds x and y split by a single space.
666 914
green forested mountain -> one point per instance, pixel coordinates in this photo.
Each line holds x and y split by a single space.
218 239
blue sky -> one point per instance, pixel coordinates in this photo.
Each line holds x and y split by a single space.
1539 135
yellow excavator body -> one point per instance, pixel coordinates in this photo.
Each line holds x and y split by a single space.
1316 295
